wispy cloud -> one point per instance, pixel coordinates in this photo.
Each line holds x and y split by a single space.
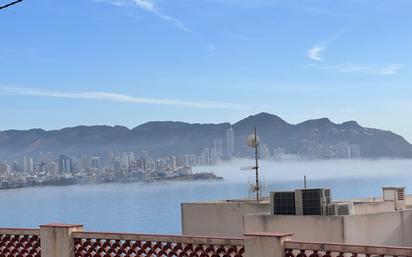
151 7
390 69
116 97
315 53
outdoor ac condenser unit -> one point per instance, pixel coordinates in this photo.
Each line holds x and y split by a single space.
343 208
282 203
313 201
302 202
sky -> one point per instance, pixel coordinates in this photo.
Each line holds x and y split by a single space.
125 62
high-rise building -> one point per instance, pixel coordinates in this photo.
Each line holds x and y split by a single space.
186 161
111 157
116 165
264 152
25 162
355 151
128 159
15 166
230 142
46 157
218 145
95 162
5 168
28 164
205 157
65 164
173 163
343 150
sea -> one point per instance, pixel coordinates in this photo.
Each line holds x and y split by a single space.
155 208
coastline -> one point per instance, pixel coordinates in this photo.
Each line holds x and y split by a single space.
201 176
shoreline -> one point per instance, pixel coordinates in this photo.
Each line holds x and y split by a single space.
201 176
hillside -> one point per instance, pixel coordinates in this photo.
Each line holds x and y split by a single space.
313 138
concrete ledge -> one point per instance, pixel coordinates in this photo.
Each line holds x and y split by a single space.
350 248
160 238
61 225
268 234
20 231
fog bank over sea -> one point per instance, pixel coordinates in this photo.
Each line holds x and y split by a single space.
155 208
288 170
346 178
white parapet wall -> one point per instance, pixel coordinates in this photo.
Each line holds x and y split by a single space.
306 228
386 228
389 228
223 218
373 207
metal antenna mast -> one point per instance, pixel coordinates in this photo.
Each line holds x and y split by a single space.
257 166
253 142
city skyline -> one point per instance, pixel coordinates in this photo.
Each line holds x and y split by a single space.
241 128
317 139
206 61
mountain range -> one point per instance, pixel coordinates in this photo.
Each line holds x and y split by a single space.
317 138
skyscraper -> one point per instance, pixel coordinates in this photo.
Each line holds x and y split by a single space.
65 164
354 151
95 162
46 157
205 157
28 164
230 142
128 158
264 152
218 146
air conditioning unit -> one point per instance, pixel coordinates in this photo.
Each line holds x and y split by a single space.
302 202
313 201
343 208
282 203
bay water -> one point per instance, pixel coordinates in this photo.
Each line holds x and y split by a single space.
155 208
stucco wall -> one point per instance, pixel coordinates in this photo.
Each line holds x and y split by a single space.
408 200
373 207
218 218
305 228
390 228
235 218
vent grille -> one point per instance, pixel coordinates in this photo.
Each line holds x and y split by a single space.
401 194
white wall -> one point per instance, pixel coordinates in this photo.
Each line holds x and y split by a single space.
233 219
305 228
218 218
373 207
390 228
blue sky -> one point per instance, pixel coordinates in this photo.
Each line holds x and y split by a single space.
65 63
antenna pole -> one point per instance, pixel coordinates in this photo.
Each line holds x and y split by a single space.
304 181
256 168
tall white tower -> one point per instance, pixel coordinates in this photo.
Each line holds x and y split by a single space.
28 164
230 142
